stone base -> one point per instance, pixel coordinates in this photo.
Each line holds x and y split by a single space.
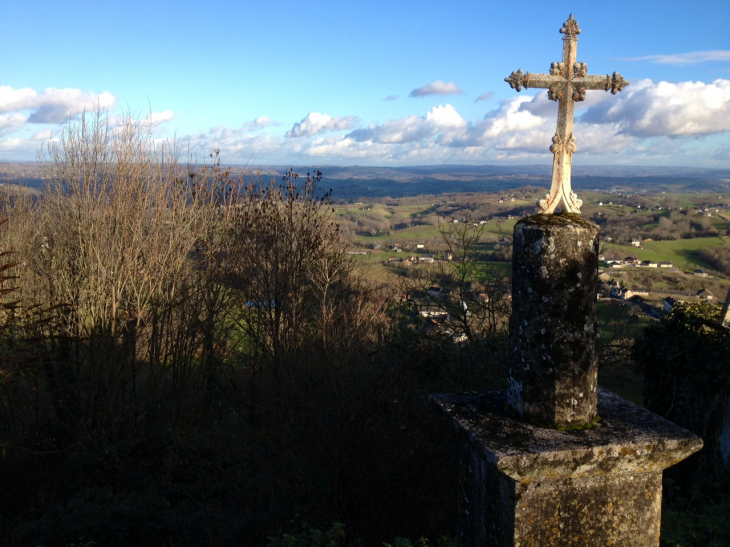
526 486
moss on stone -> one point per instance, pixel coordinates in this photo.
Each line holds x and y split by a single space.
558 219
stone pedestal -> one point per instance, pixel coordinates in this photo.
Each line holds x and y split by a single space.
553 328
527 486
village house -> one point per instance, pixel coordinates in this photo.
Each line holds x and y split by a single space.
701 273
648 264
631 260
625 293
635 243
705 294
666 265
628 294
428 259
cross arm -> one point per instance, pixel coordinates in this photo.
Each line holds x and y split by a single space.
614 83
518 80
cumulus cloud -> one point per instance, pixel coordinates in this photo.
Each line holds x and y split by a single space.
648 109
690 58
156 118
44 135
484 96
437 88
52 105
259 123
316 123
12 120
640 124
411 128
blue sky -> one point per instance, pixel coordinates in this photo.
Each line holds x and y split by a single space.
370 83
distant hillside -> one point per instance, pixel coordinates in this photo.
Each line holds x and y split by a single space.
353 182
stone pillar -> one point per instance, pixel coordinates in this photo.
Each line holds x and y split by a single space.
553 342
526 486
539 468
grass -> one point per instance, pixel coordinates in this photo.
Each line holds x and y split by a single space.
414 234
680 252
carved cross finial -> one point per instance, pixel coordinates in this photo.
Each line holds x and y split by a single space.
566 83
570 28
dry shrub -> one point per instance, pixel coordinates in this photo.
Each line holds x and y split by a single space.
208 364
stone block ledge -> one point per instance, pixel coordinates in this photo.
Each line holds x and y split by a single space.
630 439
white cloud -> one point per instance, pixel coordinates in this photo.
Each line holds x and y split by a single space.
13 100
52 105
638 125
411 128
156 118
649 109
316 123
12 120
44 135
690 58
259 123
484 96
437 88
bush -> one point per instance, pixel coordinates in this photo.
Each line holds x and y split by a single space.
211 365
686 364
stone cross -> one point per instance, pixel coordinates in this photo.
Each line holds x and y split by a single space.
567 83
552 460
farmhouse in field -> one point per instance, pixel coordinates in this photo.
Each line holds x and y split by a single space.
705 294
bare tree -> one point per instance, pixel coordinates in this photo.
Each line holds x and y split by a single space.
463 284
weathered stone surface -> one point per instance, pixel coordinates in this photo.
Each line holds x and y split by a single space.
553 341
523 485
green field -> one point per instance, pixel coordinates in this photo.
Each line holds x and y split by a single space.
680 252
